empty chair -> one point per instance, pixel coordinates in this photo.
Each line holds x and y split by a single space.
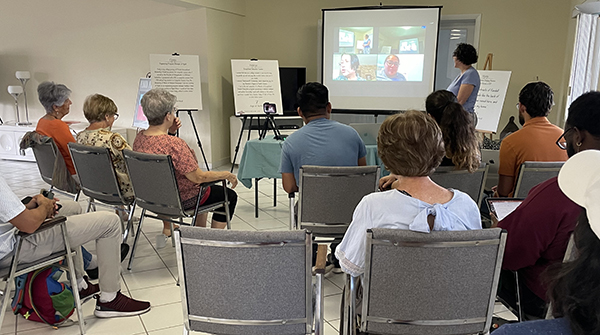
9 274
471 183
156 190
242 282
99 181
533 173
443 282
328 195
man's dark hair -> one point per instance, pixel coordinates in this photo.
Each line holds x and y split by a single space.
584 113
538 98
312 99
465 53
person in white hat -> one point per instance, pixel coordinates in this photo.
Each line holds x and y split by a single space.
573 289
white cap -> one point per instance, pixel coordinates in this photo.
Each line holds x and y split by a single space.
579 179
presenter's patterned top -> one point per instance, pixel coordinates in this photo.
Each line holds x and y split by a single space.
184 160
116 144
395 210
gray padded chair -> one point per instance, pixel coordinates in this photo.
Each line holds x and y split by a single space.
472 184
443 282
328 195
533 173
99 181
156 190
46 156
245 282
16 269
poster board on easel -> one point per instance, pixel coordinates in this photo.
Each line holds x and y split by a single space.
490 99
180 75
254 83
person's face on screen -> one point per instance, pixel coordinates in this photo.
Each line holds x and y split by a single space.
391 66
346 66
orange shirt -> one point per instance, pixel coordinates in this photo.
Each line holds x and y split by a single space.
61 134
536 141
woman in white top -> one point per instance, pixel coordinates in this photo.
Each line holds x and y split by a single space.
411 146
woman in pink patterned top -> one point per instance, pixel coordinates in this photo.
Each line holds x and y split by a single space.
159 106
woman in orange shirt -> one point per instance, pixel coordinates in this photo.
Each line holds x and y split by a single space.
56 102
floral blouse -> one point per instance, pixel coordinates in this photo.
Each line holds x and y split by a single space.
116 143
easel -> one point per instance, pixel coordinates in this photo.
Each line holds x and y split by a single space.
488 66
189 112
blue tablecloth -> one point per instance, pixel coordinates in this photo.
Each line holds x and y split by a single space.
261 159
373 159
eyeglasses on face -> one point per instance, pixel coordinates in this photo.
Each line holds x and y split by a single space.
562 142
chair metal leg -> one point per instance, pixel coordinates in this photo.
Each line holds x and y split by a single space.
76 197
89 206
10 280
135 241
352 302
172 235
256 197
319 306
291 197
131 210
73 277
519 309
274 192
346 307
226 206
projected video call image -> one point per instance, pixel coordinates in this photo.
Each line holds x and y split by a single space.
391 54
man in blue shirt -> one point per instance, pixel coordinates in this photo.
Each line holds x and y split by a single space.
321 141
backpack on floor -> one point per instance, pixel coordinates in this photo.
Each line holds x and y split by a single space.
39 296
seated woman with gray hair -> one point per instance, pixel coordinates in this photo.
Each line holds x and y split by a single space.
101 112
56 102
411 147
159 108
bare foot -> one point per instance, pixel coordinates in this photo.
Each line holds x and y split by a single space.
167 231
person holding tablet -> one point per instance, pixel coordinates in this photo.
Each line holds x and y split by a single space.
539 229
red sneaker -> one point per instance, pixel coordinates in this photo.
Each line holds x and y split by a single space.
89 291
120 306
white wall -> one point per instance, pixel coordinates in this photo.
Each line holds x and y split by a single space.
98 47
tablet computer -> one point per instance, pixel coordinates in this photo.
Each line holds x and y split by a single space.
501 207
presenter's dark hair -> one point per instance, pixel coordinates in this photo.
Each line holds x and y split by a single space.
457 129
584 113
538 98
354 62
574 289
465 53
410 144
312 99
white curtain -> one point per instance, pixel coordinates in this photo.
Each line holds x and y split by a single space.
586 61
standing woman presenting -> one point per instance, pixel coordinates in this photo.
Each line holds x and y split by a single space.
466 85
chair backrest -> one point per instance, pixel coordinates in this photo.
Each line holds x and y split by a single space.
443 282
470 183
154 183
45 156
96 173
533 173
243 282
329 194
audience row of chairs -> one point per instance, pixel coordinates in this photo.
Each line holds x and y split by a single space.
446 282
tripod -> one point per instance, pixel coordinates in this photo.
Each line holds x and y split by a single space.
189 112
262 131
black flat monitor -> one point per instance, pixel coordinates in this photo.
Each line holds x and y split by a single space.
291 79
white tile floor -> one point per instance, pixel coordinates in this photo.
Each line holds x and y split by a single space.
154 271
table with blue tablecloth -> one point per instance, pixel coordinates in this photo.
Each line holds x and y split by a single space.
261 159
